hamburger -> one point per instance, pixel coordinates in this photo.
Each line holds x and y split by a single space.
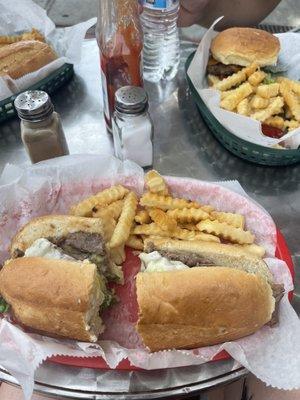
56 280
235 48
193 294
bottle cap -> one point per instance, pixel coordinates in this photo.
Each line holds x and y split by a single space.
131 100
33 105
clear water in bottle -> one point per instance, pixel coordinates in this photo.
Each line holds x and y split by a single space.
161 54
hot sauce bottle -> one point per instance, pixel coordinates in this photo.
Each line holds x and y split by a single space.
120 42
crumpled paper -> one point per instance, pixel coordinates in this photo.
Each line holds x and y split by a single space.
244 127
52 186
22 15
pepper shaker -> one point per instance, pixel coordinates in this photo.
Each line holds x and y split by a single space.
41 128
132 126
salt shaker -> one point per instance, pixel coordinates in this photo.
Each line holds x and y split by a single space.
132 126
41 128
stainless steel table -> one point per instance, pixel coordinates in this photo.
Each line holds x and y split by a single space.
183 147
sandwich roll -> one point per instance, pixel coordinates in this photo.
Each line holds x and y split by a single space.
56 297
196 307
54 226
21 58
193 253
67 236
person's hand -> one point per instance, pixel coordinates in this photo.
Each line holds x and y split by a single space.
190 11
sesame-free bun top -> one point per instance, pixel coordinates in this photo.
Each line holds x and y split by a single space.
243 46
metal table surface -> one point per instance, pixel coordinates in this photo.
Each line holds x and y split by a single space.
183 147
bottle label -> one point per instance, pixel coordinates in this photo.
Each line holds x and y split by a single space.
105 94
160 4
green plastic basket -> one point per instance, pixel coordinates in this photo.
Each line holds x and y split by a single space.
249 151
49 84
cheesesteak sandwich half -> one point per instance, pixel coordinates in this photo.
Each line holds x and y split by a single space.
68 237
56 297
56 280
194 294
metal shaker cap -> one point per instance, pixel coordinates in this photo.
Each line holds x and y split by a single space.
131 100
33 105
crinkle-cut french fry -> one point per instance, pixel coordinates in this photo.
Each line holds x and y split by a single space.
166 202
274 107
226 93
291 125
183 234
188 214
142 217
259 102
114 209
105 197
253 249
294 85
212 79
244 108
232 100
276 122
6 39
117 255
268 91
155 183
250 69
236 220
256 78
163 220
125 222
207 208
188 226
225 231
135 242
231 81
291 99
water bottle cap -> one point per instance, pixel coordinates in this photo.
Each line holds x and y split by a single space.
131 100
33 105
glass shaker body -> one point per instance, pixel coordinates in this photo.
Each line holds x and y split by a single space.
133 136
120 42
44 139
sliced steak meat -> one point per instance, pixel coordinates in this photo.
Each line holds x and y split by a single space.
84 245
85 242
189 259
278 292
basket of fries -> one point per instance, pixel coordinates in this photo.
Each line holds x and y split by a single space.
242 148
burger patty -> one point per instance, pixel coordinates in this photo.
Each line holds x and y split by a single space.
222 70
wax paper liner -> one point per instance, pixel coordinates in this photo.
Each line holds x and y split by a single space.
22 15
51 187
244 127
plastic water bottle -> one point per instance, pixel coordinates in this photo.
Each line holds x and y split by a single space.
161 53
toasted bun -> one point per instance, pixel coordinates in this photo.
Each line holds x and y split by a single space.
200 307
243 46
54 296
57 226
225 255
23 57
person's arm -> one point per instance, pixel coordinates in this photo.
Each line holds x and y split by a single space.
236 12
